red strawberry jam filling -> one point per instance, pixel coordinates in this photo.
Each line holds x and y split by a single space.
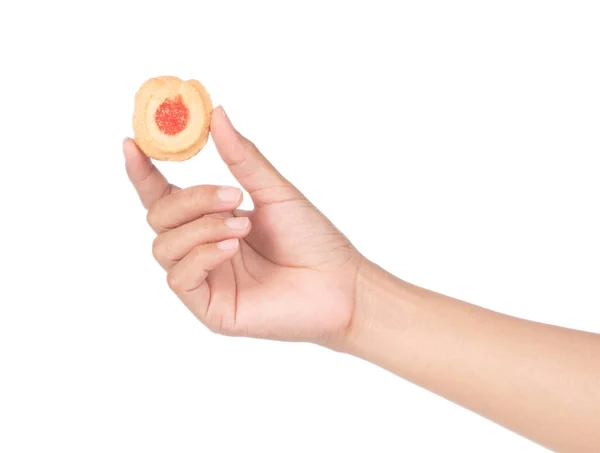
172 116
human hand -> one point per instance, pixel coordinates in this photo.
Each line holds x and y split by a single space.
281 271
284 272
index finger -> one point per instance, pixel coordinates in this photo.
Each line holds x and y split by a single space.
148 181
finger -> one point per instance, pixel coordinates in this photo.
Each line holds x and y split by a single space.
148 181
190 203
252 170
171 246
187 278
243 213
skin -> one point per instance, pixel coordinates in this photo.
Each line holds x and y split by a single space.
283 271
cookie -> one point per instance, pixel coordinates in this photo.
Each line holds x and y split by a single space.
171 119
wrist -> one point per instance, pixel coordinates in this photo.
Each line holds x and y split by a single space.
382 305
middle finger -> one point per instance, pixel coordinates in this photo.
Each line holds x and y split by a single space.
171 246
191 203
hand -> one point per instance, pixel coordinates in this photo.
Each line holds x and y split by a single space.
281 271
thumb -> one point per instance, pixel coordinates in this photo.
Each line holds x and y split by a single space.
253 171
149 182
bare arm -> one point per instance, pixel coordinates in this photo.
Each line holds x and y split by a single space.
283 271
540 381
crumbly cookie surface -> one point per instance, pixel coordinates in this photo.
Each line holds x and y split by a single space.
171 119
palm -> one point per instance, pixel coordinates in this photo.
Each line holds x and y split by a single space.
293 277
287 274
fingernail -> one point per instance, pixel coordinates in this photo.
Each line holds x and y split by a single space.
229 194
226 117
127 153
228 244
224 112
237 223
128 148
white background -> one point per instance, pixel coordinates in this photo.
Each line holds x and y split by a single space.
455 143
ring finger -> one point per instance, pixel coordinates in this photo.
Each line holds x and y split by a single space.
171 246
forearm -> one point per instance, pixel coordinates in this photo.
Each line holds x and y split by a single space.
540 381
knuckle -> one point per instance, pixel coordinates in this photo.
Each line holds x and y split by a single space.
200 197
174 281
195 195
195 254
158 250
211 222
246 142
152 216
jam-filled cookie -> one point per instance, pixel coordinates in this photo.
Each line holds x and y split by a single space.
171 120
